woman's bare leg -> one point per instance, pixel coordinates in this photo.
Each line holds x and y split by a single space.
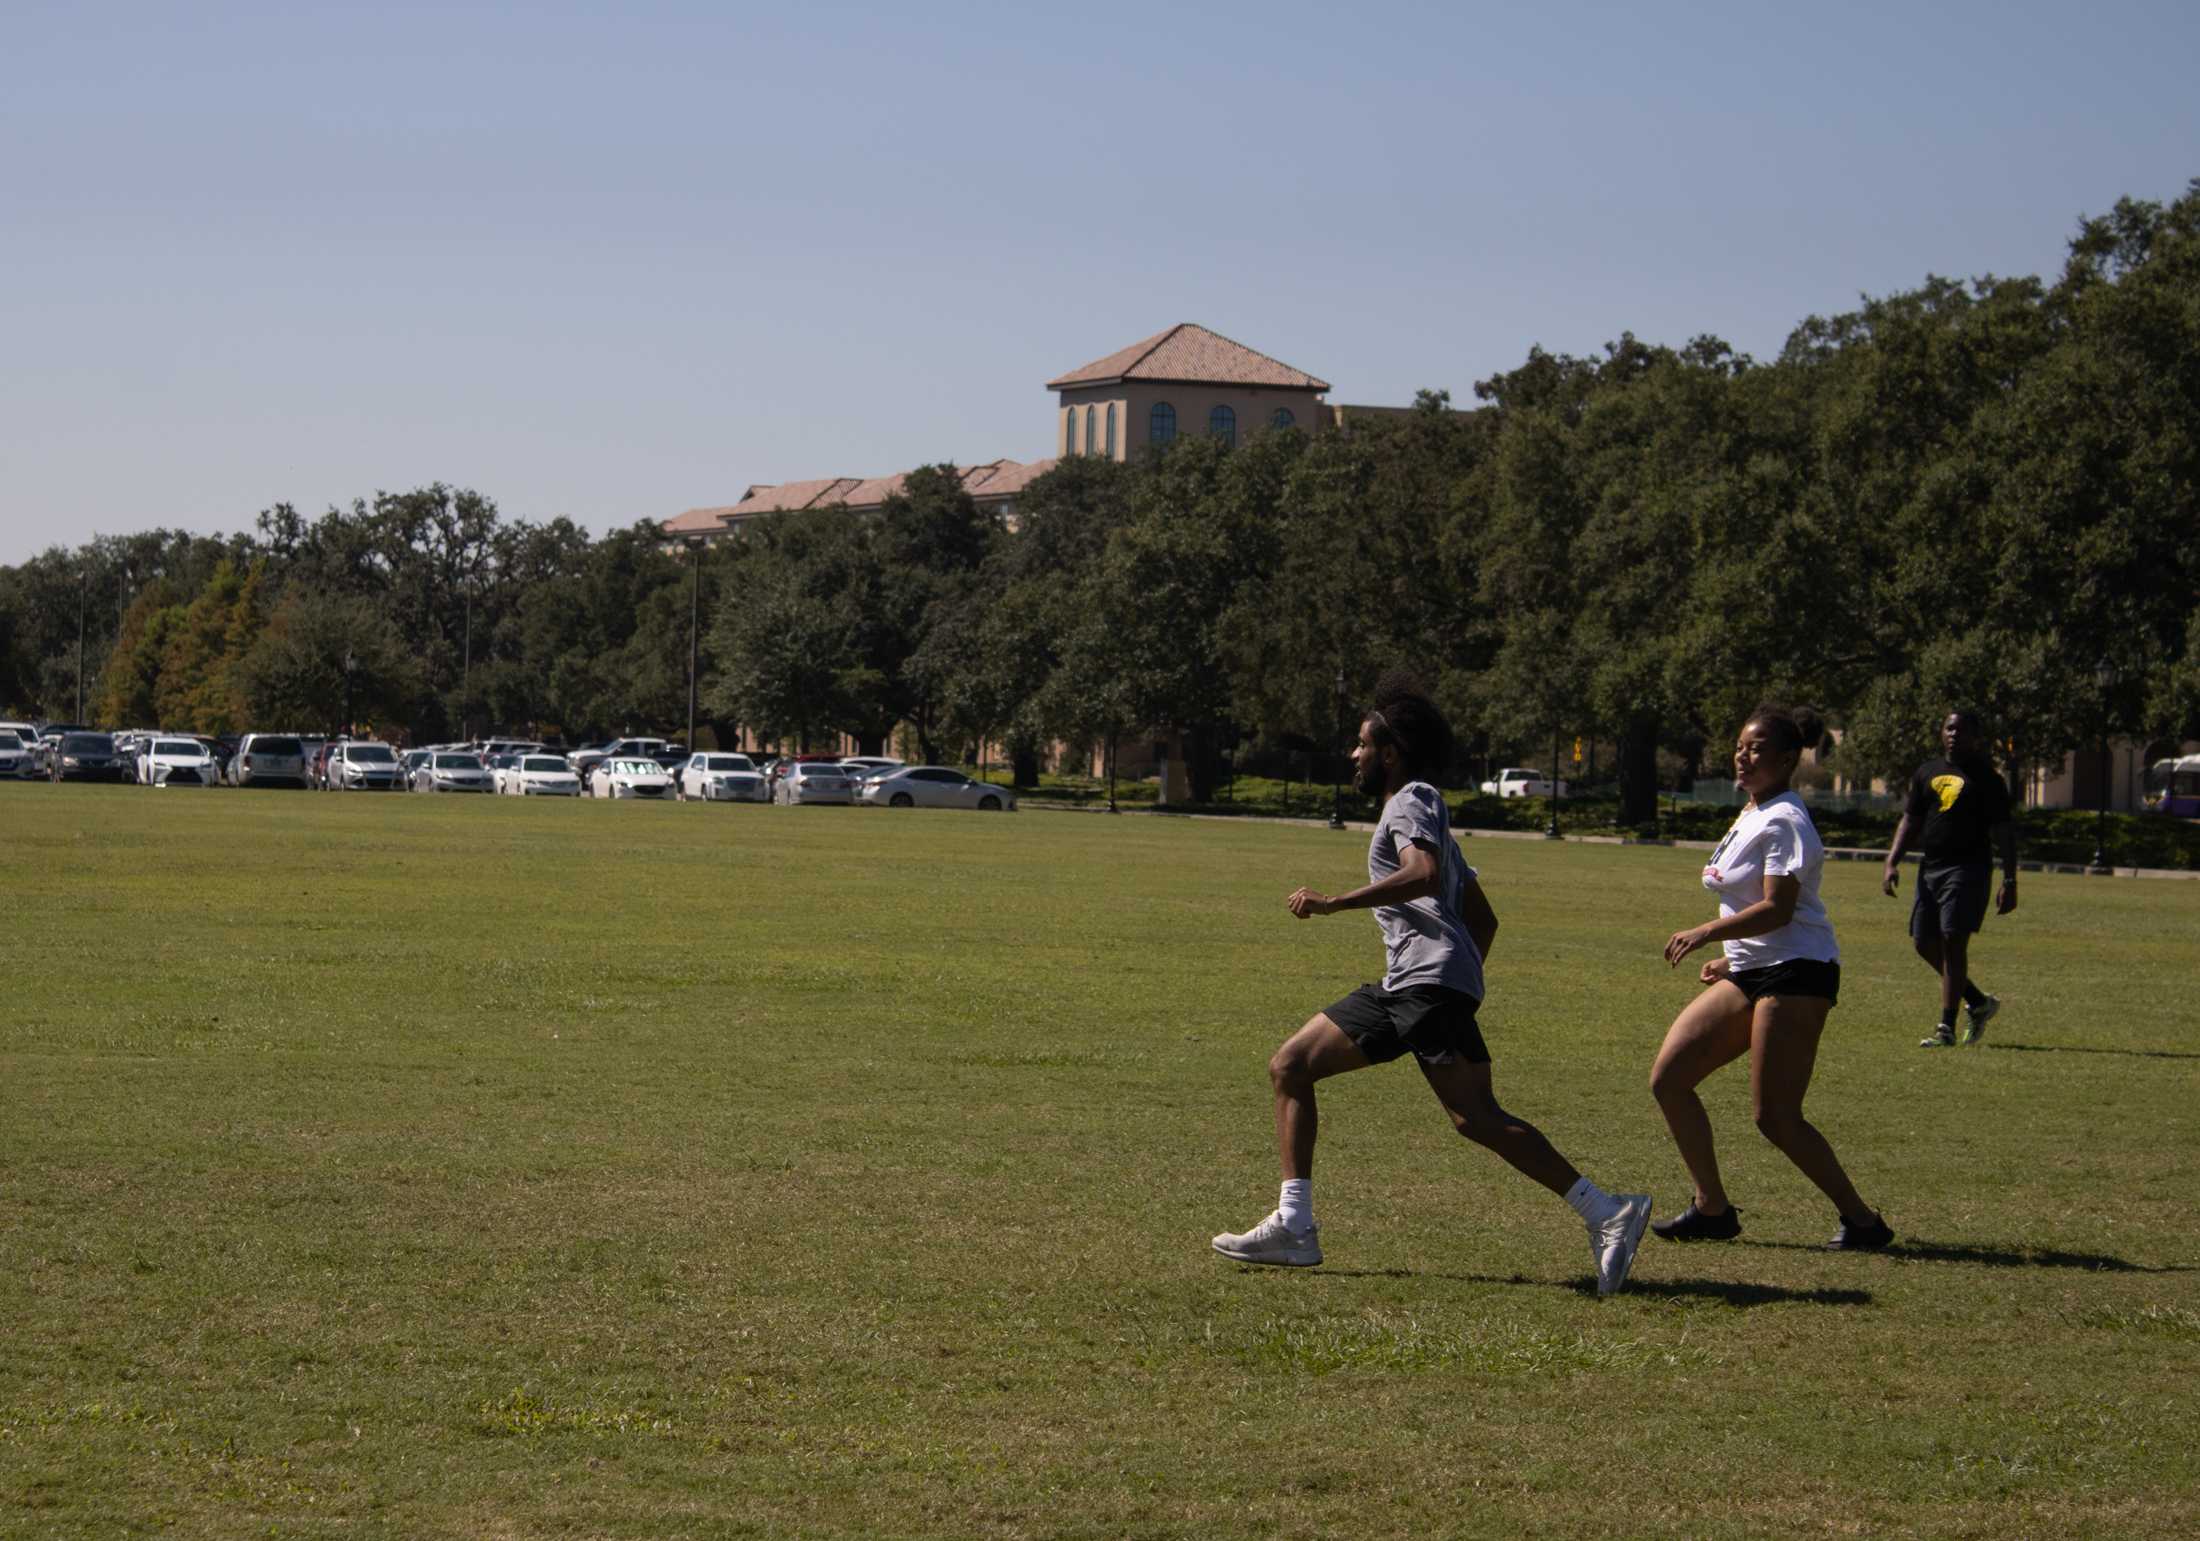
1712 1030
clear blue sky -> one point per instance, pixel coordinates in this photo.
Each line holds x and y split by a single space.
618 261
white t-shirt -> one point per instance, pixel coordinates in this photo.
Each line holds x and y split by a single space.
1774 839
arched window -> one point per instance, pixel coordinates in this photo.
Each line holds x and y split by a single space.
1222 424
1282 419
1069 434
1161 423
1088 430
1111 430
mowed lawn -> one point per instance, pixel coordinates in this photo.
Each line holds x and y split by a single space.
409 1167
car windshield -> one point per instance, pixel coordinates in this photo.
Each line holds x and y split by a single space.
730 762
182 746
638 767
457 762
369 754
10 740
87 743
819 770
276 746
544 762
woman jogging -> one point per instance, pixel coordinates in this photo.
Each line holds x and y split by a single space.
1437 928
1767 997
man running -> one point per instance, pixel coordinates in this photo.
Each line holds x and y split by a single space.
1958 807
1437 927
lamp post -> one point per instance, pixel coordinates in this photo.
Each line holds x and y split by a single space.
83 587
351 662
695 599
2104 675
1336 778
1550 831
1111 770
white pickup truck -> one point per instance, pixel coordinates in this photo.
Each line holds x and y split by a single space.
1517 781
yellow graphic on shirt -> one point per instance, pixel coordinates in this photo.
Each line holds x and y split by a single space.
1950 788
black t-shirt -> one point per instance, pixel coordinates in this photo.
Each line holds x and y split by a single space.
1952 806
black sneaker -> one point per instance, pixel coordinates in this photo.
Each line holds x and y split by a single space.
1692 1224
1872 1234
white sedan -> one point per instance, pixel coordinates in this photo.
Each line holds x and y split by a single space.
442 772
722 778
174 762
815 781
1516 781
629 776
935 786
539 775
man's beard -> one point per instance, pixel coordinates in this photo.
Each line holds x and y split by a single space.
1367 780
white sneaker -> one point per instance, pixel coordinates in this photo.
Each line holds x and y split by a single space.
1613 1243
1272 1241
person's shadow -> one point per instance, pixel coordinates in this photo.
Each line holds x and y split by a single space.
2014 1256
1727 1292
2079 1048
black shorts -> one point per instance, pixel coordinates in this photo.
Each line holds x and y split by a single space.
1951 901
1435 1023
1797 976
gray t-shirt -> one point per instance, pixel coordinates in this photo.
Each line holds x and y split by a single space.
1426 941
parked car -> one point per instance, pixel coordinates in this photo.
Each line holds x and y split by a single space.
721 778
935 786
868 765
629 775
174 762
361 765
408 765
269 759
32 764
85 757
17 758
539 775
452 771
815 781
1517 781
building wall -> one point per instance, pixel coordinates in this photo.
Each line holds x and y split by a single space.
1254 405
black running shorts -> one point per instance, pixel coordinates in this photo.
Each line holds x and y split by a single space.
1797 976
1436 1024
1951 901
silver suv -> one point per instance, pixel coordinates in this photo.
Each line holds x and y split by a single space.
363 766
269 759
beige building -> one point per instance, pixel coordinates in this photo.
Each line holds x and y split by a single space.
1184 381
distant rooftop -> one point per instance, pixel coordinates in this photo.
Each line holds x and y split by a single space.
1188 353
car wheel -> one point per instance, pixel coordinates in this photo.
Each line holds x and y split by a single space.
903 800
990 804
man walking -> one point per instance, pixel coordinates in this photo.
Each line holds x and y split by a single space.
1958 810
1437 927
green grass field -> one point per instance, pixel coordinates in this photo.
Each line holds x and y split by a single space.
408 1167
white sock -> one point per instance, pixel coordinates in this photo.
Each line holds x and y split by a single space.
1590 1202
1297 1204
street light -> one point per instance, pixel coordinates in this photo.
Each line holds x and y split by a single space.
2104 675
1336 777
350 663
695 596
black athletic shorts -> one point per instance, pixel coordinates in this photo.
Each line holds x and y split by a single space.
1797 976
1435 1023
1951 901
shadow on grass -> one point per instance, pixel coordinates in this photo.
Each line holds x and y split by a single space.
1993 1257
2076 1048
1725 1291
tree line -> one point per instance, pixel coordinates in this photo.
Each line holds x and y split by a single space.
1978 492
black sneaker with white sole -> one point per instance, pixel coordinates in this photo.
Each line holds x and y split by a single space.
1692 1224
1871 1233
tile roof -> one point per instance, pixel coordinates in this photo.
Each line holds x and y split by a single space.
697 521
1188 353
993 479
